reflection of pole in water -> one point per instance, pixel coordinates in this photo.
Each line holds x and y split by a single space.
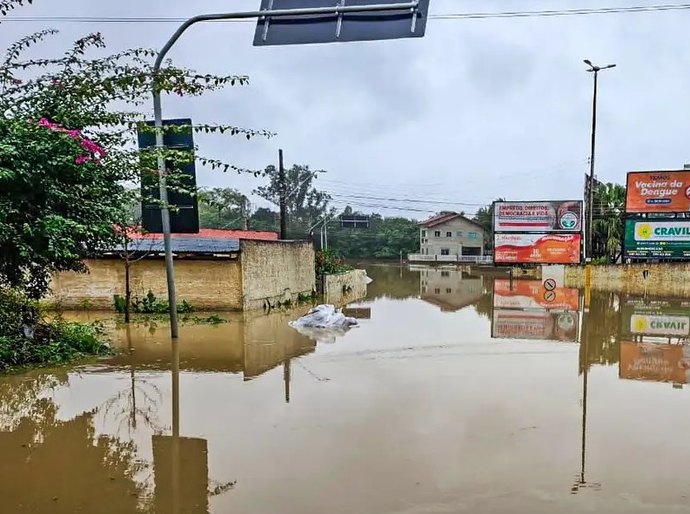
584 339
175 426
130 347
286 379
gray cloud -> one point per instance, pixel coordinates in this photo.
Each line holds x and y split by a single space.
475 110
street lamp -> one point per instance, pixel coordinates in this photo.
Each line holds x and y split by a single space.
590 195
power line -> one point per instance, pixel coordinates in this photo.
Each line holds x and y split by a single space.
447 16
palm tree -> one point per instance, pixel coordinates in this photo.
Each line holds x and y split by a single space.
609 208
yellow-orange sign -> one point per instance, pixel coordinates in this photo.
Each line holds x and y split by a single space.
658 191
531 294
657 362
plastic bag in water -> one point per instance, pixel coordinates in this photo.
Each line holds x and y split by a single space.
324 316
323 323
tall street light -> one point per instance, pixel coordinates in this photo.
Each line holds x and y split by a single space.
590 195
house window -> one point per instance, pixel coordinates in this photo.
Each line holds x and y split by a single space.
445 251
445 273
437 233
437 290
460 234
423 233
423 289
449 291
474 235
449 234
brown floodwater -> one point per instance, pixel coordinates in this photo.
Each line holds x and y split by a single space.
456 393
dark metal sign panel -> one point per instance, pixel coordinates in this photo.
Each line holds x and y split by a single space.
345 27
184 217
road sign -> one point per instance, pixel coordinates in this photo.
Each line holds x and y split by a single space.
339 27
550 284
354 221
184 218
550 296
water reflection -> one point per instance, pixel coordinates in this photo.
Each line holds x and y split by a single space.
450 290
419 409
525 309
39 442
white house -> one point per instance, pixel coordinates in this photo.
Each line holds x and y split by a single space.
448 235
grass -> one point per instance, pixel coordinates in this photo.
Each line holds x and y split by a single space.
52 343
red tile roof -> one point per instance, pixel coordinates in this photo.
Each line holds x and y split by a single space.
443 218
213 233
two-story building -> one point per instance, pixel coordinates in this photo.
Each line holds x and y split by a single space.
450 234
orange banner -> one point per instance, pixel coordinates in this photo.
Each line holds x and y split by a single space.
657 362
530 294
537 249
658 191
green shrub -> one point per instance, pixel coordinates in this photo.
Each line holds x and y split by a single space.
149 304
328 263
26 337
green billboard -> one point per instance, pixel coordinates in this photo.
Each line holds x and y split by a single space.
657 239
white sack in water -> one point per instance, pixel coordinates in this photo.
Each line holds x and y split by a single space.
323 324
324 316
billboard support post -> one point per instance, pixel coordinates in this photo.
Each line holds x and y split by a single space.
594 70
412 7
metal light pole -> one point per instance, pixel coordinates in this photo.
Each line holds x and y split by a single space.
158 111
590 194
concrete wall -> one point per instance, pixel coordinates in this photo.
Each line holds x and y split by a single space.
275 271
206 284
661 280
455 243
344 287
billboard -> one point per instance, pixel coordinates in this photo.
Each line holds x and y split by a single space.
658 191
656 362
530 294
534 325
667 239
562 216
537 248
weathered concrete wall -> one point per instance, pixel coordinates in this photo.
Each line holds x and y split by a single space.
661 279
344 287
274 271
206 284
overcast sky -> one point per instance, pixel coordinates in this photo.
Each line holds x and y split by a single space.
475 110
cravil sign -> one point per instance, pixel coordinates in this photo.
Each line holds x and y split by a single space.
658 191
657 239
642 319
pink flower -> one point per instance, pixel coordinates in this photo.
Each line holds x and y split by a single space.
74 134
81 159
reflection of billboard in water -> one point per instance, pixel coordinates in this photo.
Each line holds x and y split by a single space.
540 325
656 362
537 248
560 216
669 319
530 294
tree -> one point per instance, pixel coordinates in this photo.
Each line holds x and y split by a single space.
265 219
385 238
485 218
223 208
67 147
305 204
608 224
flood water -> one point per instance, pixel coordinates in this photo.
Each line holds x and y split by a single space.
456 393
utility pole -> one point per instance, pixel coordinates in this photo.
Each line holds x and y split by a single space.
413 6
590 193
283 196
